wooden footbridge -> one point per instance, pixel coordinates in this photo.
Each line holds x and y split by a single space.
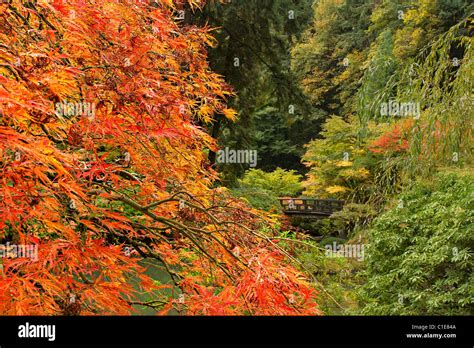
310 207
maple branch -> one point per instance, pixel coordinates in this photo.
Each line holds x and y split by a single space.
12 70
31 5
203 210
19 15
85 280
152 304
175 224
127 175
99 67
52 138
187 231
175 277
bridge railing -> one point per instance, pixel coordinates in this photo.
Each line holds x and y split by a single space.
310 206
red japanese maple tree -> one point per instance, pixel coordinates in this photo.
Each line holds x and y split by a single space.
103 163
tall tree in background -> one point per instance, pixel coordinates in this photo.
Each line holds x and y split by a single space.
329 59
416 52
351 39
252 53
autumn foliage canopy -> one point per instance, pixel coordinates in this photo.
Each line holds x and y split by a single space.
103 162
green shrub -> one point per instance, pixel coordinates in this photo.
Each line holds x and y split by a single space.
262 189
420 254
258 198
330 240
280 182
351 217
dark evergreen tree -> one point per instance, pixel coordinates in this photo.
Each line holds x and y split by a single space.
253 54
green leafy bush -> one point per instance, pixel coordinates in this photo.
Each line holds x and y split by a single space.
280 182
330 240
351 217
262 189
258 198
420 254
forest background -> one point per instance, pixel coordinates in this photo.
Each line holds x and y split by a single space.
133 209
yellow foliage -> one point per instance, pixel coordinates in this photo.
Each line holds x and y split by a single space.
230 114
360 173
205 112
358 151
336 189
344 164
363 173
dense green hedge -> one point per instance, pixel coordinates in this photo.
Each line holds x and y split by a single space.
420 254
